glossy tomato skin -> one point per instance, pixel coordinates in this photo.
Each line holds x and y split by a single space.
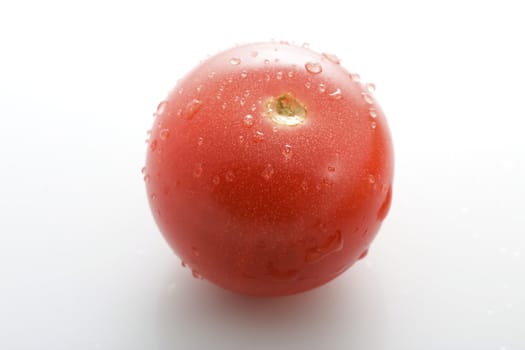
257 206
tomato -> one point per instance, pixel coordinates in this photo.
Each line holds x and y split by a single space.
269 169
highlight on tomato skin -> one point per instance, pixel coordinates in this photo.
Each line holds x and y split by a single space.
269 169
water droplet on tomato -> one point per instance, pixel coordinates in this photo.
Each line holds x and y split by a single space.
164 134
200 141
161 108
253 108
363 255
195 252
143 170
308 84
331 169
153 196
197 171
258 137
266 61
183 264
211 75
279 75
224 105
385 206
367 97
332 58
248 120
267 172
244 74
192 108
370 87
235 61
304 185
373 113
290 74
241 139
355 77
254 53
332 244
373 125
337 94
267 77
242 101
196 274
287 152
371 178
229 176
322 88
313 67
153 145
146 178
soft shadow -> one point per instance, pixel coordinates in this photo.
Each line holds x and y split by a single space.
347 313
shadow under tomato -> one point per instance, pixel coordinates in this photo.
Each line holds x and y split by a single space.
347 313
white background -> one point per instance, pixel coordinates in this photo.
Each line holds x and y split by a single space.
82 265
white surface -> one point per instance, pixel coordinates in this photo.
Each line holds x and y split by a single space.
82 265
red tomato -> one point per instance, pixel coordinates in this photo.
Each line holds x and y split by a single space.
269 169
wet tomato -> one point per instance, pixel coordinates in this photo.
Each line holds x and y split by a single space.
269 169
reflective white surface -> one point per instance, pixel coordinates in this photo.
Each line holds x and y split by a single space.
82 265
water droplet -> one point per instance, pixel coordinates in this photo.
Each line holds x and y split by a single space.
276 59
197 171
332 244
363 255
370 87
253 108
216 180
304 185
195 252
267 77
146 178
179 112
306 45
290 74
235 61
308 84
199 88
371 178
183 264
287 152
266 61
164 134
367 97
196 274
322 88
244 74
337 94
281 274
356 78
161 108
181 90
385 207
224 105
258 137
200 141
332 58
248 120
229 176
373 125
331 169
279 75
267 172
148 132
192 108
241 139
313 67
254 53
143 170
153 196
373 113
211 75
153 145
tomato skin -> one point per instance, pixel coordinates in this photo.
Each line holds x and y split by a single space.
258 207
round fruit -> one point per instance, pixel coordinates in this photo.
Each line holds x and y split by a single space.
269 169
